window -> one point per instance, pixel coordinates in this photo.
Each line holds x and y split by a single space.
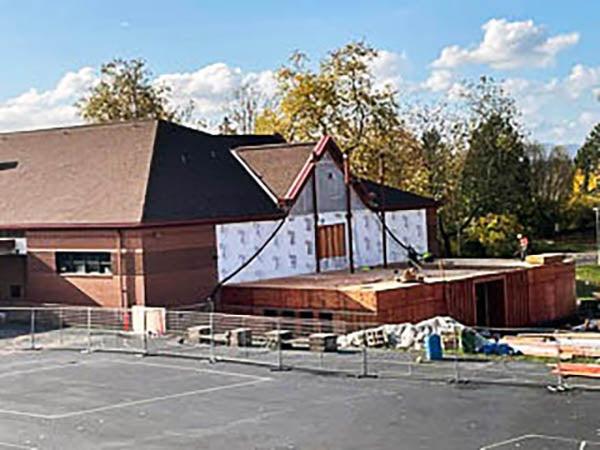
325 316
270 312
326 326
332 241
83 263
306 314
288 313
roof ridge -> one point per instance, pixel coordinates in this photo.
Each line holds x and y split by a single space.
273 146
77 127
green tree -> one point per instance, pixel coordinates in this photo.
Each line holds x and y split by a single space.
341 99
245 105
441 134
126 92
588 156
551 184
494 235
495 177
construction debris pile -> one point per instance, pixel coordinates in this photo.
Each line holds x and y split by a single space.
567 344
412 336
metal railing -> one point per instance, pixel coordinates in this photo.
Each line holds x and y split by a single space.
277 343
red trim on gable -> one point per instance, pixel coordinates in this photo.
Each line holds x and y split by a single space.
327 143
302 177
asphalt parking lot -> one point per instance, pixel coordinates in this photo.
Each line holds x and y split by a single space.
58 400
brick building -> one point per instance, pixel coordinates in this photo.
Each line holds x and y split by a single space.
154 213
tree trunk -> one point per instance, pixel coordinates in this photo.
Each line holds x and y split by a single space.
445 238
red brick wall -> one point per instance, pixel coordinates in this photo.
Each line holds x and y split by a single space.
158 266
46 285
180 264
12 273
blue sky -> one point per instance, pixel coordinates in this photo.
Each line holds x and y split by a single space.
546 51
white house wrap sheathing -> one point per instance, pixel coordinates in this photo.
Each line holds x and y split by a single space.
292 251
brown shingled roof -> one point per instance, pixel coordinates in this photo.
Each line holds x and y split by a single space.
126 173
87 174
276 165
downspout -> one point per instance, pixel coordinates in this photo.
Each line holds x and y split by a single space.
349 213
122 287
315 215
382 211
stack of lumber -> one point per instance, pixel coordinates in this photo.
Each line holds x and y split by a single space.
195 334
545 258
323 342
240 337
582 344
577 370
375 337
277 337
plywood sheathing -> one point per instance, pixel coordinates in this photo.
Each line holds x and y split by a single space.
533 293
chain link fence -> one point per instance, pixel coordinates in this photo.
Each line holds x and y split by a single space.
277 343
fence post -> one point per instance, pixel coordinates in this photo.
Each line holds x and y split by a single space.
560 379
365 362
32 329
145 335
60 326
211 321
456 362
89 329
279 352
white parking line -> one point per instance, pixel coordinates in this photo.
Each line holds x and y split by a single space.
40 369
193 369
6 444
253 380
155 399
514 440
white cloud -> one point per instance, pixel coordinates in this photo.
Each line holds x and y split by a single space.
210 88
561 109
438 81
508 45
388 68
582 79
53 107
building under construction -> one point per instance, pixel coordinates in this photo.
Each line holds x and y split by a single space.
153 213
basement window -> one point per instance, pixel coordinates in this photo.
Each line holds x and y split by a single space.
306 314
83 263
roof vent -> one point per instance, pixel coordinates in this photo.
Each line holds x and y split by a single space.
7 165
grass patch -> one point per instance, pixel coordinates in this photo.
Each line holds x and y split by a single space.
589 273
551 246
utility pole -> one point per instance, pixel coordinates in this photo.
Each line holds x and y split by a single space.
347 179
382 209
597 211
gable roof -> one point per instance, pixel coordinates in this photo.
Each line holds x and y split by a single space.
126 174
394 199
276 165
286 168
195 176
154 172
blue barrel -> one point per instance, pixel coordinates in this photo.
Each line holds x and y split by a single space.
433 348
